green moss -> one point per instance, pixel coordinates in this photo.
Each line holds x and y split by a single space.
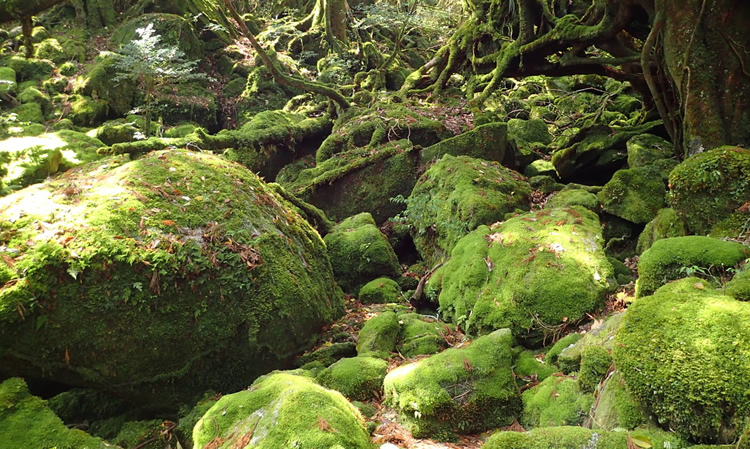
380 291
557 401
574 197
486 142
174 31
709 187
421 335
85 111
533 271
50 49
457 391
30 69
262 93
98 81
634 194
601 334
615 407
29 113
683 354
113 132
540 167
328 354
677 257
378 336
739 286
141 434
34 95
182 130
545 184
359 252
529 368
357 378
188 102
189 419
595 364
567 437
282 410
646 150
8 83
456 195
567 341
27 423
665 225
141 244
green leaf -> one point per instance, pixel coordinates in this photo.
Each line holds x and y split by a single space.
641 441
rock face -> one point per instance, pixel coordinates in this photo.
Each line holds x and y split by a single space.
282 410
683 353
541 268
459 390
158 279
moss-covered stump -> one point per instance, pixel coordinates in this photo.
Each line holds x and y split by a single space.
378 336
665 225
568 437
357 378
615 407
531 272
155 278
458 391
359 253
282 410
421 334
456 195
557 401
679 257
710 191
683 353
380 291
486 142
27 423
634 194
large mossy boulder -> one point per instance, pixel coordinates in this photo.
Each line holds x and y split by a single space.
710 191
683 353
378 336
666 224
360 253
98 81
26 422
282 410
679 257
357 378
488 142
458 391
456 195
634 194
570 437
173 31
153 279
533 271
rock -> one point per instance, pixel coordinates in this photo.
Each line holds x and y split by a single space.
99 82
329 354
357 378
27 423
615 407
634 194
570 437
359 252
421 335
34 95
569 197
173 31
458 391
378 336
595 364
666 224
648 150
678 257
533 271
149 279
602 335
556 401
540 167
739 286
282 410
8 83
683 354
380 291
566 342
30 69
488 142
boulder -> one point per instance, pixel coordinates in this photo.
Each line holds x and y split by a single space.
556 401
421 335
357 378
488 142
634 194
380 291
665 224
570 437
378 336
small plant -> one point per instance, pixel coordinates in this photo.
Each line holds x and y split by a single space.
153 66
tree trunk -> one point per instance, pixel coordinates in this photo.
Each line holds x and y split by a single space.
331 15
11 10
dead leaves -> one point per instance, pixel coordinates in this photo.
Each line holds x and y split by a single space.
324 426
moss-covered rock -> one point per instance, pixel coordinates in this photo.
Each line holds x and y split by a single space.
556 401
602 334
709 191
595 364
739 286
29 113
634 194
533 271
569 197
615 407
34 95
421 334
86 111
31 69
359 252
648 150
540 167
665 225
27 423
8 83
456 195
282 410
569 437
116 132
173 30
683 353
531 368
560 345
457 391
98 81
151 277
486 142
380 291
678 257
378 336
357 378
328 354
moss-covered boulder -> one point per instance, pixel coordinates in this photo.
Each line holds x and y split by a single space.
282 410
533 271
666 224
574 196
710 191
570 437
456 195
488 142
360 253
457 391
615 407
98 81
634 194
595 364
173 31
679 257
421 334
8 83
683 353
154 278
648 150
739 286
33 95
556 401
379 291
26 422
378 336
560 345
30 69
601 334
357 378
527 138
326 355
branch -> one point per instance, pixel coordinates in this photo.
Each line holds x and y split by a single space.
646 65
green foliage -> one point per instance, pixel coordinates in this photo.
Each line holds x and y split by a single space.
380 291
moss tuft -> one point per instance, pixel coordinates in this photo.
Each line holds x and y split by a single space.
557 401
595 364
378 336
634 194
568 437
666 224
357 378
380 291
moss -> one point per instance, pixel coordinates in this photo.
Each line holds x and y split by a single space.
50 49
378 336
574 197
262 93
677 257
85 111
567 341
328 354
357 378
486 142
182 130
141 434
569 437
185 102
113 132
68 69
529 368
30 69
545 184
623 274
282 410
421 335
540 167
34 95
646 150
601 334
29 113
457 391
739 286
456 195
8 83
683 354
98 81
634 194
557 401
174 31
533 271
188 419
141 244
359 252
710 187
27 422
595 364
665 225
380 291
615 407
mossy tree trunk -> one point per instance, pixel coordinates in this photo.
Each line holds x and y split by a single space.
330 15
22 10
